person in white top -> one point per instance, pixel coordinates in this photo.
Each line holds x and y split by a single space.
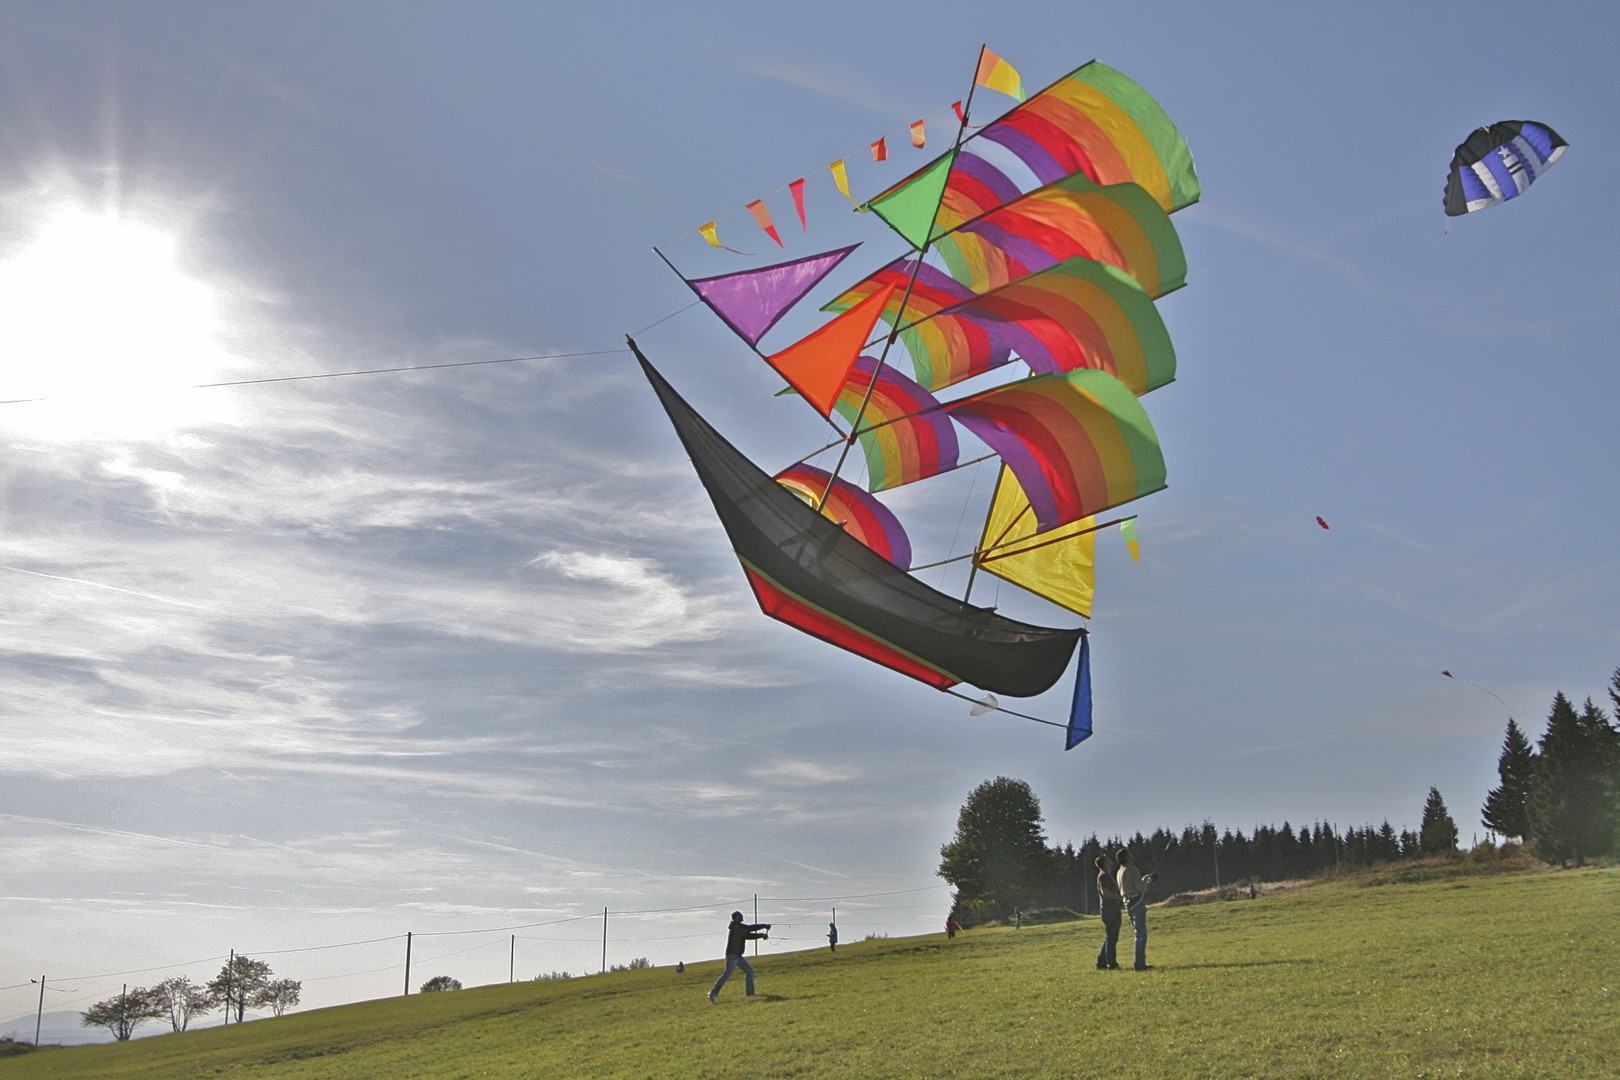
1133 887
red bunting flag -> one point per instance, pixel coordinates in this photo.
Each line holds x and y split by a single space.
763 216
797 188
1320 522
917 135
961 117
880 150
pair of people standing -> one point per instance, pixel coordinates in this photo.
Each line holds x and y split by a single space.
1122 890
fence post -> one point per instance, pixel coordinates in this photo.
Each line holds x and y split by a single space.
407 964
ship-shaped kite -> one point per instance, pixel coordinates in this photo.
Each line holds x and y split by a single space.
1042 238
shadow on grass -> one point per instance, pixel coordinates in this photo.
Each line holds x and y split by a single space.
1235 964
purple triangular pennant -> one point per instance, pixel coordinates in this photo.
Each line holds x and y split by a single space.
751 301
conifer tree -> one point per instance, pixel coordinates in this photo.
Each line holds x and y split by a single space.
1507 808
1571 798
1438 833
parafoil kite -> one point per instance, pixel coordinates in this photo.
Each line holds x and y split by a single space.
1498 163
1052 224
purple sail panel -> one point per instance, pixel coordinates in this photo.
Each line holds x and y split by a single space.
751 301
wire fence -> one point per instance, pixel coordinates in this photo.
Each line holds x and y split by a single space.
798 922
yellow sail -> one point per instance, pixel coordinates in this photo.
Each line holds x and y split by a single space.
1058 565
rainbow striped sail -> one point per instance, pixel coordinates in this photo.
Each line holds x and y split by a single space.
1041 239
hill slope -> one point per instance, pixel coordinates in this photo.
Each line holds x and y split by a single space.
1515 976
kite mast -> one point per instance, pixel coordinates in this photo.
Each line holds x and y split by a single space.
911 282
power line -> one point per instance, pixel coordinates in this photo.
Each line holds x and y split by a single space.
365 371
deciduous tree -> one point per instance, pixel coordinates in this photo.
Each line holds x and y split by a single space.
438 983
121 1015
280 995
181 999
998 858
240 983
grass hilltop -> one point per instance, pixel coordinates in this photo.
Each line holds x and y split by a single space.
1503 976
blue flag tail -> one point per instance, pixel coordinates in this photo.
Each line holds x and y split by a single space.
1080 712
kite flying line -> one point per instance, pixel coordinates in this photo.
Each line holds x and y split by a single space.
1476 686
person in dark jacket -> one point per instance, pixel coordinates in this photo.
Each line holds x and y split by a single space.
1112 906
737 934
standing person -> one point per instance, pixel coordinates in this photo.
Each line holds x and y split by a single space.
832 936
1133 887
1111 908
951 927
737 934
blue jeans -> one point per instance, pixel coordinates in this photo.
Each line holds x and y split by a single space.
732 963
1136 908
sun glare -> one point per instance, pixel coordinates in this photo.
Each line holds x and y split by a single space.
98 318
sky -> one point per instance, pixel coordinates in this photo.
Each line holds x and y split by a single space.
297 668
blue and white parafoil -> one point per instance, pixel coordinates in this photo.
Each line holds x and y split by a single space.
1497 163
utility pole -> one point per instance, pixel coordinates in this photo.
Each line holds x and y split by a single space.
756 919
604 939
39 1016
511 972
407 963
230 971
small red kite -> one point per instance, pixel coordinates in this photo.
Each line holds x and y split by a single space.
1320 522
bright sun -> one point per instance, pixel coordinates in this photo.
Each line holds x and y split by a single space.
97 316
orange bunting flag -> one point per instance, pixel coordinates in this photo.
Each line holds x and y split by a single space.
841 178
917 136
818 366
797 188
711 234
996 74
763 216
880 149
961 117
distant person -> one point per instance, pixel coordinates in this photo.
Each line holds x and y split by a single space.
737 934
1133 888
1253 892
832 936
950 927
1111 908
1018 919
680 967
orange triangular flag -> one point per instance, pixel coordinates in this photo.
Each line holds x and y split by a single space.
917 136
763 216
880 149
818 365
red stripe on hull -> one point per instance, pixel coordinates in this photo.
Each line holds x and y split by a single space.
780 604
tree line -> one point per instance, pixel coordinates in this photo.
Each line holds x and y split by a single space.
1562 797
242 984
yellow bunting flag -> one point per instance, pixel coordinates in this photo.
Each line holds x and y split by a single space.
917 135
996 74
710 234
841 178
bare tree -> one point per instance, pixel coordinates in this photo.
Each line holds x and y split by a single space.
181 999
122 1014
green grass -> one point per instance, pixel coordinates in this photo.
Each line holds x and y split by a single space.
1503 976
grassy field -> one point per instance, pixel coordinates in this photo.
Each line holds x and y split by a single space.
1501 976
